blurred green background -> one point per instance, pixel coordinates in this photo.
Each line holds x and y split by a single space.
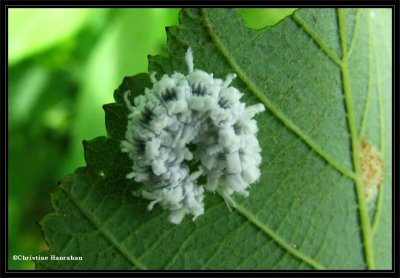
63 65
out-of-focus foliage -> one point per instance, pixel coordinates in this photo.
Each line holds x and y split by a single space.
53 26
259 18
63 66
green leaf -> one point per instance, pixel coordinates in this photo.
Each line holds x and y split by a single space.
324 77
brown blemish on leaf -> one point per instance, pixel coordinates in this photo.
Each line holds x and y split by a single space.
372 169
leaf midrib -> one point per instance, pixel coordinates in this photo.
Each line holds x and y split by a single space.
365 224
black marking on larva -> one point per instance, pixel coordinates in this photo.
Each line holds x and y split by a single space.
147 115
237 128
226 173
224 103
157 182
162 184
222 155
148 170
199 90
169 94
144 125
140 145
154 180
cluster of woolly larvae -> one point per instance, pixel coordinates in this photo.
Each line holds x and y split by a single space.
185 127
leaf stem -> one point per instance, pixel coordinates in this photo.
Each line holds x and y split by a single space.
362 206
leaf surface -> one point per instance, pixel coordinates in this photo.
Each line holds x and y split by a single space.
324 77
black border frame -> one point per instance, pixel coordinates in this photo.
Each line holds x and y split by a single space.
5 5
